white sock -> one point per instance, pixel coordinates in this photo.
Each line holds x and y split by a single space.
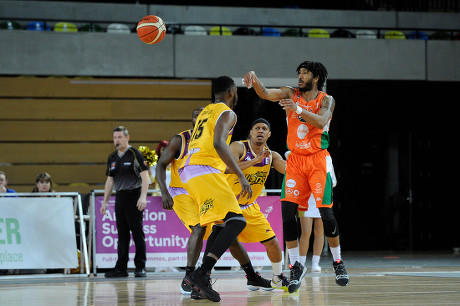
303 259
293 255
315 260
277 268
336 253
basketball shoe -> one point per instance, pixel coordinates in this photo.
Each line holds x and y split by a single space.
341 275
259 282
185 288
280 282
202 284
297 273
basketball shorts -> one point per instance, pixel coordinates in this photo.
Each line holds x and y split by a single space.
186 209
312 211
257 226
306 176
213 196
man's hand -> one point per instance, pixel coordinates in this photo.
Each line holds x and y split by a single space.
288 104
261 156
104 208
249 78
141 203
167 201
245 188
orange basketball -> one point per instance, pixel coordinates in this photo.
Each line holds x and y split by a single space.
151 29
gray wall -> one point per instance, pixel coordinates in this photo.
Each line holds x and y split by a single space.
183 56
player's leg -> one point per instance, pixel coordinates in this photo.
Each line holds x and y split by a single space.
306 224
324 201
318 244
187 211
274 253
255 281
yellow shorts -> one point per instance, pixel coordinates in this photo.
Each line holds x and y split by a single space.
187 211
213 196
257 226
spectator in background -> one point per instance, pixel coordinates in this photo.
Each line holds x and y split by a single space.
43 183
4 183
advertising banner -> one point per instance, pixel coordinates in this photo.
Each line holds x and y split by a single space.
37 233
166 237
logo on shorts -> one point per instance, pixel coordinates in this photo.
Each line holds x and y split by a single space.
290 183
208 204
318 189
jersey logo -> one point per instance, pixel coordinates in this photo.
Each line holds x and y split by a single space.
207 205
302 131
112 166
257 178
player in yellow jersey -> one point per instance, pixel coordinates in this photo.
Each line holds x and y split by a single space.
255 160
176 197
308 114
202 173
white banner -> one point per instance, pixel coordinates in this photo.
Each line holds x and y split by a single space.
37 233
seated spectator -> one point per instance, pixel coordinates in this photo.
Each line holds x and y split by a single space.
4 183
43 183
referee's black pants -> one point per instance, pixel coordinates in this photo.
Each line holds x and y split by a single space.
129 219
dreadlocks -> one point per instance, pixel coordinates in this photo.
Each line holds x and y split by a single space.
317 69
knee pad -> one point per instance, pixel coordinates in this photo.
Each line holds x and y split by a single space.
236 221
331 228
290 227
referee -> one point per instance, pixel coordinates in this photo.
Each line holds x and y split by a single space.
127 171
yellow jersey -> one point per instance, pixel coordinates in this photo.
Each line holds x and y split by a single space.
201 149
176 162
256 174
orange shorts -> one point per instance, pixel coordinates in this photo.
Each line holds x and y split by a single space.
307 175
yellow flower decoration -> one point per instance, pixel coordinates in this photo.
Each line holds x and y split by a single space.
150 156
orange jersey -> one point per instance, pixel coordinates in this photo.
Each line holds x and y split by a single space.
303 138
175 164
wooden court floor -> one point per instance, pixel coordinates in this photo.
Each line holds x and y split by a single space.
405 282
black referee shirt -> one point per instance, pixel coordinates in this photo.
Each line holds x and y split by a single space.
126 169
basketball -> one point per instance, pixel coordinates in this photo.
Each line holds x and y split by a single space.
151 29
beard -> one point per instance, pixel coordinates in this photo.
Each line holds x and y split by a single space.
308 87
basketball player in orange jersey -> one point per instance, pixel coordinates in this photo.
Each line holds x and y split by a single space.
202 173
309 166
176 197
256 159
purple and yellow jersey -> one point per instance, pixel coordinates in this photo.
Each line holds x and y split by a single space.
201 149
175 164
256 174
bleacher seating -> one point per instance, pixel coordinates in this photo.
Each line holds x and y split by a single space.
195 30
65 27
10 25
220 30
63 125
318 33
394 35
270 32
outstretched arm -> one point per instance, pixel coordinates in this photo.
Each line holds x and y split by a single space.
251 80
278 162
223 125
166 158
